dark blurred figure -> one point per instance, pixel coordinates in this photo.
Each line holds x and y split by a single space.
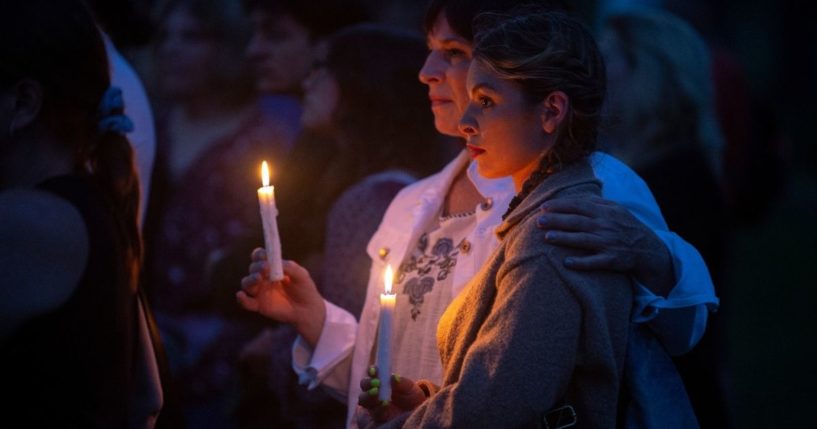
404 14
364 97
211 139
70 249
287 37
214 131
665 127
753 156
127 22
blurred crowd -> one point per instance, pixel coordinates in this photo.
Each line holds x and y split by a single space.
327 92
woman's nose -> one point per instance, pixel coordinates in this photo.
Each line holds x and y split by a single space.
432 72
467 125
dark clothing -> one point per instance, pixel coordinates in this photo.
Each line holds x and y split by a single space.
195 232
194 222
694 207
73 367
692 204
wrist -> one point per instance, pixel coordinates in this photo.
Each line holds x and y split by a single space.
655 269
311 324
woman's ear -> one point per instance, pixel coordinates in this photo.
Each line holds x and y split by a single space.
28 102
554 111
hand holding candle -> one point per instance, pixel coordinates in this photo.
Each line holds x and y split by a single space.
387 302
272 242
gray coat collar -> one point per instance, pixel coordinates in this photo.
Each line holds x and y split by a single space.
576 173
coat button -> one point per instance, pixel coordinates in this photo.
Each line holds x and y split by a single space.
465 247
487 204
383 252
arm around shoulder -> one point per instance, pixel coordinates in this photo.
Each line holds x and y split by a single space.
679 320
43 253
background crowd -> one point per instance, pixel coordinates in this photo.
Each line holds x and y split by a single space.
230 83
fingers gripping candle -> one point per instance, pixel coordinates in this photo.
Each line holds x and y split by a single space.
272 243
387 302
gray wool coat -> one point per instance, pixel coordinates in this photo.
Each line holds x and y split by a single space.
527 334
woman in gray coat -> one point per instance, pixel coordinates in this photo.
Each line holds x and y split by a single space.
528 342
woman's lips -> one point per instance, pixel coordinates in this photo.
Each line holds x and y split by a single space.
474 151
439 101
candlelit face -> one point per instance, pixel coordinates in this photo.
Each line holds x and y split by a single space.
445 72
321 94
280 52
504 131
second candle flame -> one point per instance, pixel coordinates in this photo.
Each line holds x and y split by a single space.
387 278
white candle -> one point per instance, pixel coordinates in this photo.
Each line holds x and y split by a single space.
266 200
387 302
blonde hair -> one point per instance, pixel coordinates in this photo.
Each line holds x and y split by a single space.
543 51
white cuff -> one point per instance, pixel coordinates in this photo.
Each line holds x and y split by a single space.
335 343
693 284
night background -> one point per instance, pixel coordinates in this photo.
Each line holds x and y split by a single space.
769 290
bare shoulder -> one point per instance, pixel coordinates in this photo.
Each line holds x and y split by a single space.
43 253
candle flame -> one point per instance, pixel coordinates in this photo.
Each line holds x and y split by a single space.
387 278
264 173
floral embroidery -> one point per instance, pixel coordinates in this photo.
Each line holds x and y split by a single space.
443 247
443 256
415 289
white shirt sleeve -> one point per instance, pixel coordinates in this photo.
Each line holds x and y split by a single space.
679 320
328 364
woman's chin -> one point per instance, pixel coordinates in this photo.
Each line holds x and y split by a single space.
486 172
447 127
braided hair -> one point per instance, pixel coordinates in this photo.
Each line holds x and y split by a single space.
544 51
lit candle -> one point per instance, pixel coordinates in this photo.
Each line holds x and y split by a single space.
387 302
266 199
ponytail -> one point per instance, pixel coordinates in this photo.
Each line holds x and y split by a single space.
111 162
